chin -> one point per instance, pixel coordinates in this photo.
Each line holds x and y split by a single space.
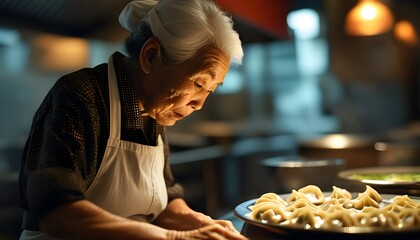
166 122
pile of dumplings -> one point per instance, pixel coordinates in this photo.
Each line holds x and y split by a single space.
310 208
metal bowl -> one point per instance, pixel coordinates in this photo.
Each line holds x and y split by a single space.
358 150
399 153
294 172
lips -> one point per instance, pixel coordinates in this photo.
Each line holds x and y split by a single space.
179 116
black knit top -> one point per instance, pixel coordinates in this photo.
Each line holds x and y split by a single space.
68 138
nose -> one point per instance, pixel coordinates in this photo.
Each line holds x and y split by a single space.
197 102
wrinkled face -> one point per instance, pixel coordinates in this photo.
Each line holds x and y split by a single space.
175 91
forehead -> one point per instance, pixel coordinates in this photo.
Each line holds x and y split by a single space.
211 61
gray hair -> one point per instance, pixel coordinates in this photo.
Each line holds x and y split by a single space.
185 26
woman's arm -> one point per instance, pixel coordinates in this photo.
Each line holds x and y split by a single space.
84 220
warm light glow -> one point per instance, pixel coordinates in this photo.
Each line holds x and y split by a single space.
368 13
337 141
380 146
57 53
369 17
405 32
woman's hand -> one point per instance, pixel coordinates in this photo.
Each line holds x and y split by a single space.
214 231
179 216
198 220
189 224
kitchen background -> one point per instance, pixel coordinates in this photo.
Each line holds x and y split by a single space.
304 77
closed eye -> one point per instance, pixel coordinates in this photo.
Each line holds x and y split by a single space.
218 85
198 86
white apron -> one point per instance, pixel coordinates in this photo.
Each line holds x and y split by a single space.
130 181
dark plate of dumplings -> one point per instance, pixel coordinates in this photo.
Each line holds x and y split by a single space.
338 213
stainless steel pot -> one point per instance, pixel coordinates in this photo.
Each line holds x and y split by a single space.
358 150
399 153
294 172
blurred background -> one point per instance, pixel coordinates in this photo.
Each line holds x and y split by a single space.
320 79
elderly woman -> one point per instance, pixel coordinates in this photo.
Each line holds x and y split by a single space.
95 165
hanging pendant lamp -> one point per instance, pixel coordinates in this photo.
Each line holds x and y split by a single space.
368 17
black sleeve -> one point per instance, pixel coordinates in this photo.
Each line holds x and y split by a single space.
63 161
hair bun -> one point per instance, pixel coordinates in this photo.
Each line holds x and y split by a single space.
135 12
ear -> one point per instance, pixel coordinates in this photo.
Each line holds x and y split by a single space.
149 53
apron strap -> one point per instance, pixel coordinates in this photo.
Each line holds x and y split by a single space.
114 102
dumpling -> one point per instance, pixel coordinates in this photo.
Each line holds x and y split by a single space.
373 194
410 217
371 217
269 208
271 217
313 193
295 195
404 201
364 200
338 207
303 216
271 197
369 198
301 203
392 219
339 219
345 203
269 211
394 208
340 193
327 204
